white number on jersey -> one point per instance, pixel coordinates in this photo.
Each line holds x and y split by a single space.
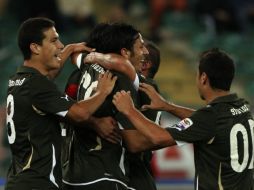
240 129
9 119
88 85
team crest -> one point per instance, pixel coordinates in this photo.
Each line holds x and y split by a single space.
184 124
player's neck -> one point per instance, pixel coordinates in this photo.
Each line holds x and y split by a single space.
215 94
36 65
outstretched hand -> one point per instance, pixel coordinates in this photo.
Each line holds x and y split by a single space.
157 101
123 102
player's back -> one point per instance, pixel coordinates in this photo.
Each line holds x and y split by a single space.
92 158
226 160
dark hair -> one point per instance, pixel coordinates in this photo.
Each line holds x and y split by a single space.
219 68
112 37
153 57
32 31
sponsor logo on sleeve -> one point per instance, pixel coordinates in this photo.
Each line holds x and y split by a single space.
184 124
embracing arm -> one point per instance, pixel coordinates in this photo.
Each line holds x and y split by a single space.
138 142
154 136
82 110
66 53
110 61
159 103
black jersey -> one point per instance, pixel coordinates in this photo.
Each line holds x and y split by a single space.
33 104
222 134
140 170
92 159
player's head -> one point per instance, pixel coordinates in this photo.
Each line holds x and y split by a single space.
119 38
32 31
151 63
216 67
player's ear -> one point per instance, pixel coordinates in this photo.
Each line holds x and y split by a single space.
35 48
125 53
204 78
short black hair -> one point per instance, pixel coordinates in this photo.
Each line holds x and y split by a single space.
153 57
219 67
112 37
32 31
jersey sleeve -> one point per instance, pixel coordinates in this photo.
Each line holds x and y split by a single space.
47 98
124 83
201 126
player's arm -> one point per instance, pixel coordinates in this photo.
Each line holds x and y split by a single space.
159 103
66 53
155 136
109 61
81 111
138 142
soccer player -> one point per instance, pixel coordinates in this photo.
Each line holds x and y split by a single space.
222 131
34 106
151 63
139 163
93 162
149 69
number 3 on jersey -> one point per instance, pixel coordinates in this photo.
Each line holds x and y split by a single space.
9 119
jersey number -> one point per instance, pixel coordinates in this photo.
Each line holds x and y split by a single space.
9 119
88 85
241 130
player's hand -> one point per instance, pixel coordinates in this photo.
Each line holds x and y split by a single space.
123 102
106 82
81 47
107 128
157 101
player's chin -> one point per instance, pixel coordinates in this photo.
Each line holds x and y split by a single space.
56 64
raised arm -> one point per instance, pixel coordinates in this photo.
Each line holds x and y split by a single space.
109 61
114 62
159 103
67 52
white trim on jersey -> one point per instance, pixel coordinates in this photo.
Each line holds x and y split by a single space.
51 175
136 82
121 164
79 61
62 113
197 183
181 143
97 180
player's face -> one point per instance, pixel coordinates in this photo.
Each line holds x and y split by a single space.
50 50
138 53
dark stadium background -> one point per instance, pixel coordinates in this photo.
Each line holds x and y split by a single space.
181 29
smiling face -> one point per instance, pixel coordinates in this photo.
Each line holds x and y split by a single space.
50 50
138 53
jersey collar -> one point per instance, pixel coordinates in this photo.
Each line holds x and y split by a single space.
25 69
227 98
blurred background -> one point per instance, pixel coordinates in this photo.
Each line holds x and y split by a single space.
180 28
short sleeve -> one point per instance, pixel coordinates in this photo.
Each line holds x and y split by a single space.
201 126
47 98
